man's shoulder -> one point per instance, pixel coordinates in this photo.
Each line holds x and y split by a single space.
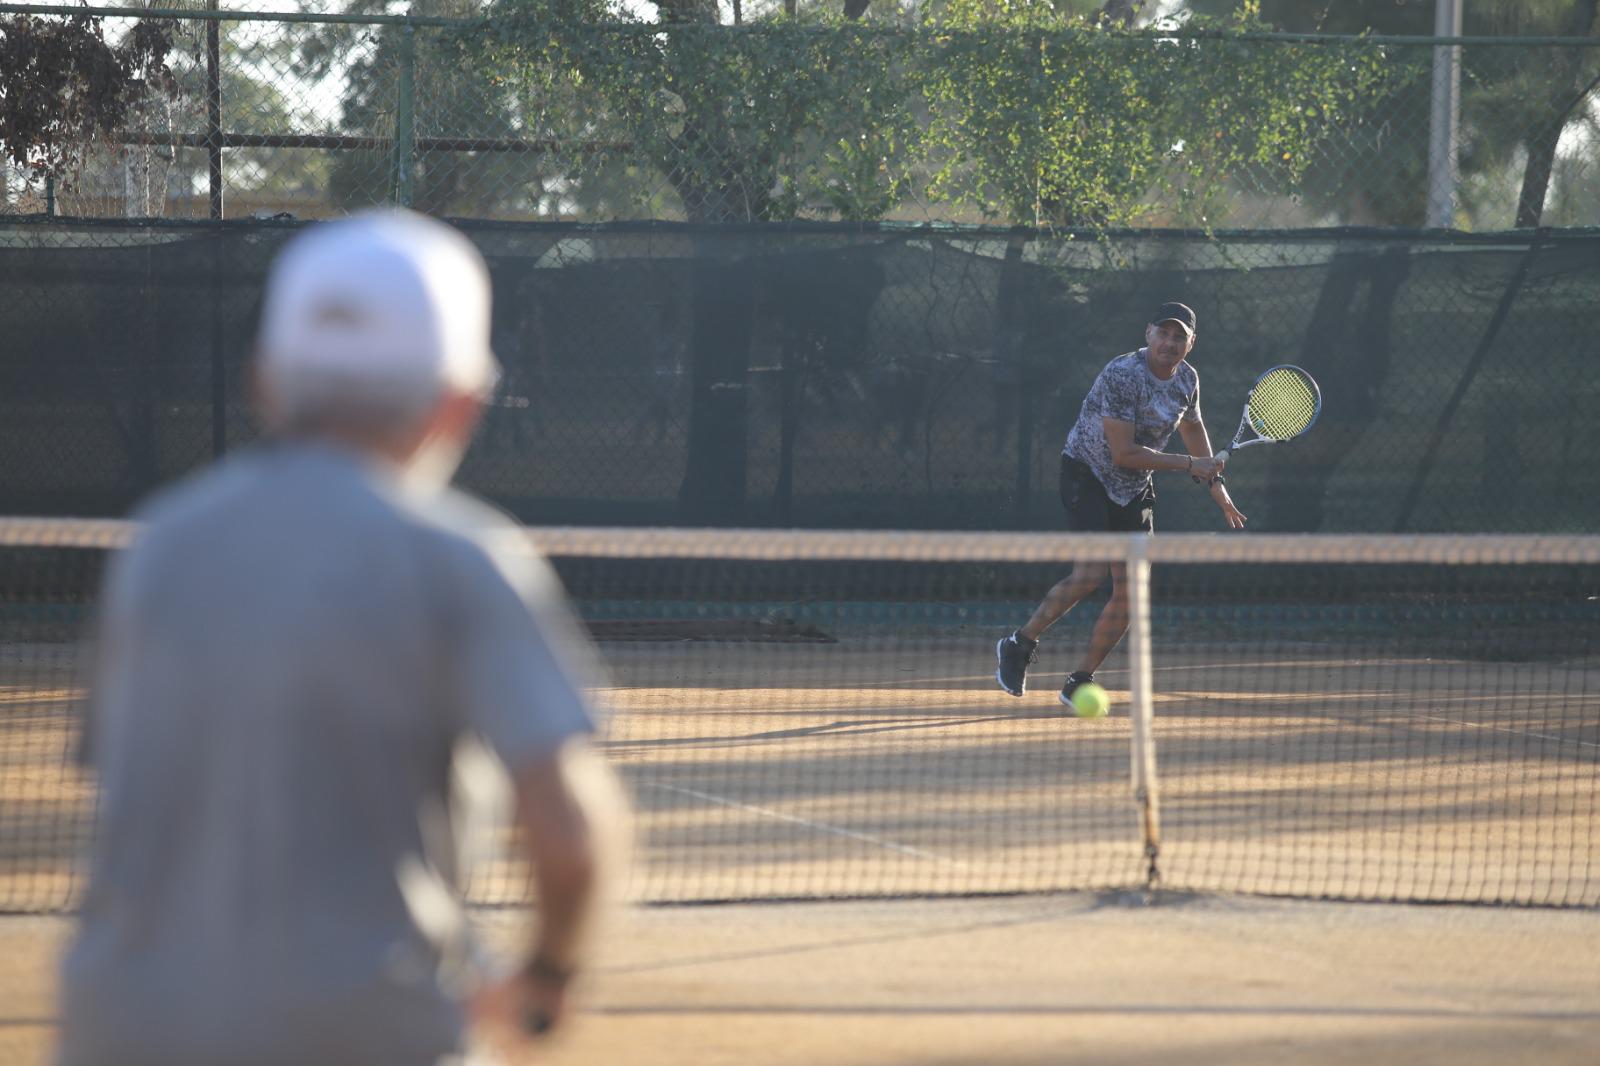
1123 371
481 540
1125 363
196 504
455 512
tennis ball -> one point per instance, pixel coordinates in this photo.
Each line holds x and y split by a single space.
1090 700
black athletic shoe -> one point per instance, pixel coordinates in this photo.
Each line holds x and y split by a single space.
1014 654
1074 679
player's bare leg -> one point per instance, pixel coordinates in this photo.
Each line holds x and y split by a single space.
1063 597
1015 653
1109 629
1111 626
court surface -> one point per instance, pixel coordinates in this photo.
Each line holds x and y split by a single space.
893 766
883 766
779 775
1073 978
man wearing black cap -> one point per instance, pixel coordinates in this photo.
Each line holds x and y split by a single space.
1113 449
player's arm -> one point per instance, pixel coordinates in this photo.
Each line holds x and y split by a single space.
1125 451
569 812
568 808
1198 442
522 671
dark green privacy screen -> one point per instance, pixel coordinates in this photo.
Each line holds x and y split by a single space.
861 376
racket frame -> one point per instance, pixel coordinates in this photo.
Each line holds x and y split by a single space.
1246 424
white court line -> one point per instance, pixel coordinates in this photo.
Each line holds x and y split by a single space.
823 826
1513 732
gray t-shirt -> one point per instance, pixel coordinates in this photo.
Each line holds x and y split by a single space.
290 658
1126 391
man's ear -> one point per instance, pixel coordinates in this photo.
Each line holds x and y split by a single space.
457 415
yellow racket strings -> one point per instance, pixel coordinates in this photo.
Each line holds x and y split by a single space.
1282 405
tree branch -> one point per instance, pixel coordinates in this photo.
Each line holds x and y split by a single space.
1120 13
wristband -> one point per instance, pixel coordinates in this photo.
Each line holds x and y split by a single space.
540 970
1219 480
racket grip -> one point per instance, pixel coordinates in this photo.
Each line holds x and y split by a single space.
1221 456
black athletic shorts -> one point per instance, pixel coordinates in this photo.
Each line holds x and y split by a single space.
1090 510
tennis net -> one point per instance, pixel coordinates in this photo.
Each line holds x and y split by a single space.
806 715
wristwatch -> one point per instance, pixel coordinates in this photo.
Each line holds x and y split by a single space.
539 969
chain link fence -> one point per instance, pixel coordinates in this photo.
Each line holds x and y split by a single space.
823 274
855 375
523 116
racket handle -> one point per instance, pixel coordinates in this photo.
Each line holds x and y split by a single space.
1221 456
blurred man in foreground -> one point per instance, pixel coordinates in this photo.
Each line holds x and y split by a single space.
293 658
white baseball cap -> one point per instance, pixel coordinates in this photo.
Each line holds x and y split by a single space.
388 308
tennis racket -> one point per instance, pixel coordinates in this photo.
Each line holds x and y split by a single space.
1282 404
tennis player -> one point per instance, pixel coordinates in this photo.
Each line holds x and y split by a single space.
293 658
1107 483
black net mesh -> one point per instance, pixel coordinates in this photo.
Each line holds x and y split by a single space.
855 377
807 715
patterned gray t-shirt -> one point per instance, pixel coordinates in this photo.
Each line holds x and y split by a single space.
1128 392
290 658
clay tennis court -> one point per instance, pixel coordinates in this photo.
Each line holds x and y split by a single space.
890 766
926 870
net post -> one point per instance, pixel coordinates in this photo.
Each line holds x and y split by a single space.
1141 707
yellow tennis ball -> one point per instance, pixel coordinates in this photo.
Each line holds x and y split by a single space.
1090 700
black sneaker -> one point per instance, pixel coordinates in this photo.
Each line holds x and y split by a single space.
1014 653
1074 679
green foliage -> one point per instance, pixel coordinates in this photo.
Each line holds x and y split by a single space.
1019 110
1515 103
1053 120
449 99
800 115
1402 17
1040 118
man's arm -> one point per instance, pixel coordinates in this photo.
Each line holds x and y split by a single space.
1125 452
565 808
572 819
1198 442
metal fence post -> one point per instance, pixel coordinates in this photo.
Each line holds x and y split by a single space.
1446 117
214 111
405 119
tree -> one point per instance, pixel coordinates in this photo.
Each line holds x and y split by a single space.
448 99
1516 105
812 114
63 86
1060 120
1576 75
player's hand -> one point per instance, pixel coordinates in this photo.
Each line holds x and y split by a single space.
520 1008
1230 513
1205 467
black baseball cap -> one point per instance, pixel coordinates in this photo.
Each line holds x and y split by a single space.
1182 314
